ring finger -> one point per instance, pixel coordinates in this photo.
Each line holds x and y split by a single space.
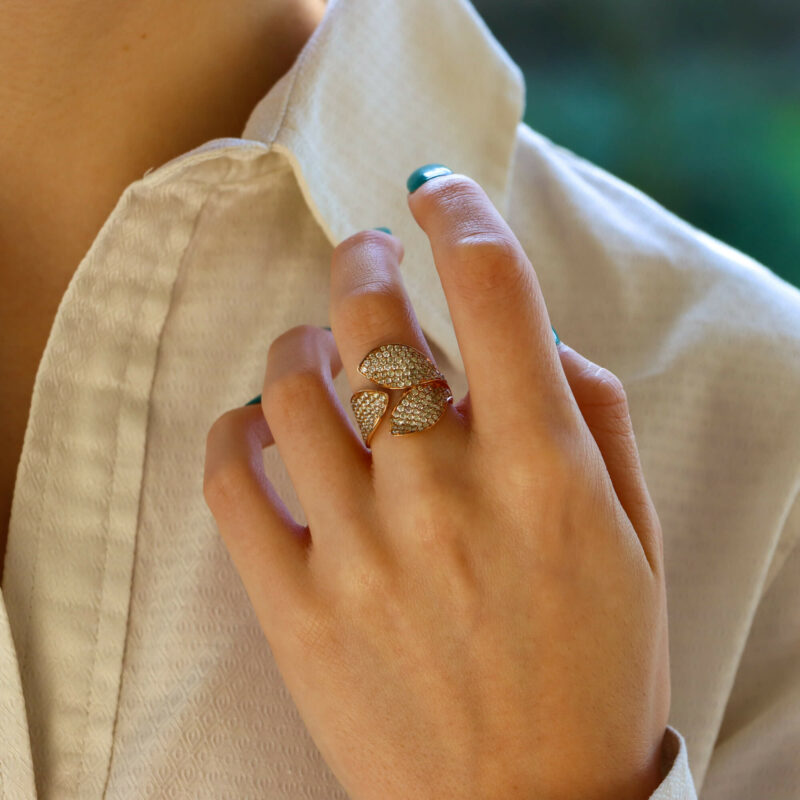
369 308
322 454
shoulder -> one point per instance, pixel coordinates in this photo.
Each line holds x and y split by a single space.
705 338
595 239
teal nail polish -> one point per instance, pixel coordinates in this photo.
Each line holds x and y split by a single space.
326 328
385 230
425 173
254 401
558 341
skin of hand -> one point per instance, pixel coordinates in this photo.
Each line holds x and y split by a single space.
477 610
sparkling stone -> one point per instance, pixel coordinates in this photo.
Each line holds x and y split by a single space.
420 407
398 366
369 406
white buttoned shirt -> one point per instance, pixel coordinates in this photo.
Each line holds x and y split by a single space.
131 661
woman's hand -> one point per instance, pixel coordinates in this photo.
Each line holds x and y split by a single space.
476 610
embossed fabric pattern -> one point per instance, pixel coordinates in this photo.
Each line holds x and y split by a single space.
131 662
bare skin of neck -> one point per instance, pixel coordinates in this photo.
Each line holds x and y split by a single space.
93 95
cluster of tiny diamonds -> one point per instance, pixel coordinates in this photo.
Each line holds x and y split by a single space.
368 407
420 407
398 366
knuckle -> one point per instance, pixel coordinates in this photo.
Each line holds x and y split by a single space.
290 395
377 305
220 428
484 254
488 263
609 392
222 476
541 467
220 431
448 193
222 485
360 245
292 339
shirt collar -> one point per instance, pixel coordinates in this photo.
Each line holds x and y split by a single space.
380 88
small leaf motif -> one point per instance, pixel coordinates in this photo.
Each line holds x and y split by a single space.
398 366
420 408
369 406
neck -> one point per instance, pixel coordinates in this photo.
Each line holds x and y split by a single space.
148 79
94 93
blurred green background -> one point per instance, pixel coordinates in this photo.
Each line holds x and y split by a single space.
695 102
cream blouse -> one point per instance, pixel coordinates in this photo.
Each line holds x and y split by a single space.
131 661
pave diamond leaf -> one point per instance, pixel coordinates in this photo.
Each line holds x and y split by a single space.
398 366
369 406
420 408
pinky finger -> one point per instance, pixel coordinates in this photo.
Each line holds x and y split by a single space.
603 403
267 546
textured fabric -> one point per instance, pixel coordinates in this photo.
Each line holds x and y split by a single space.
131 662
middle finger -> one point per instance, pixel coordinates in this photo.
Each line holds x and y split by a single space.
498 311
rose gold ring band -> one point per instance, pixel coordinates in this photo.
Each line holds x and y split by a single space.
400 366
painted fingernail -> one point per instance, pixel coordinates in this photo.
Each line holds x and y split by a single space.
558 341
326 328
254 401
425 173
385 230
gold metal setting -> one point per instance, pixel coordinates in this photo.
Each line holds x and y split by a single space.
369 406
400 366
420 407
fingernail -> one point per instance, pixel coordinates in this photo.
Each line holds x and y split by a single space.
326 328
385 230
254 401
558 341
425 173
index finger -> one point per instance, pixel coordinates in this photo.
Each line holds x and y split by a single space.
496 304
